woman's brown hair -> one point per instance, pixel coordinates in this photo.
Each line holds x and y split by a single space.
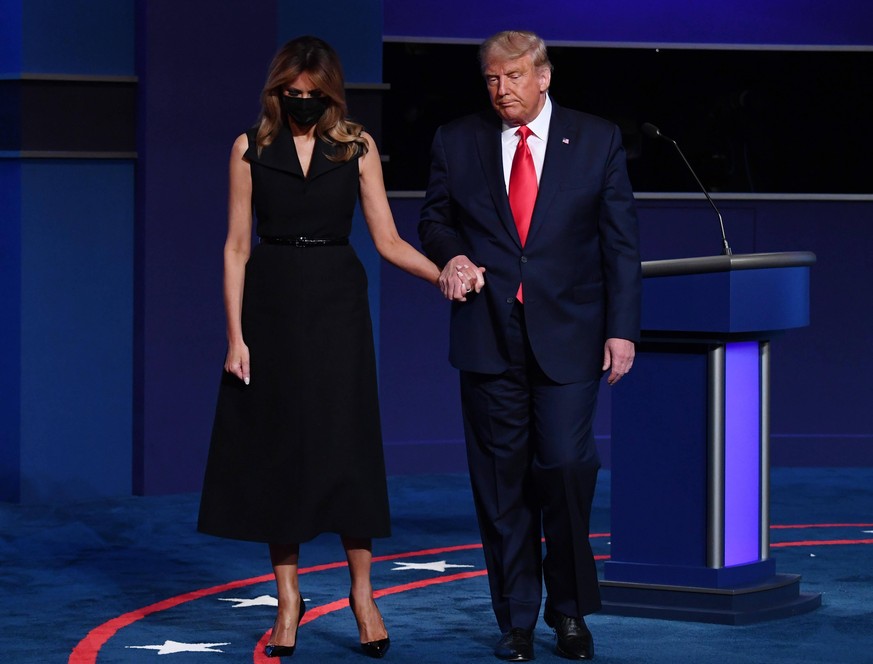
320 62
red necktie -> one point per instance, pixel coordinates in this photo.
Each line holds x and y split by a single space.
522 188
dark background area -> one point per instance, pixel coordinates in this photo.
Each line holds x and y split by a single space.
749 121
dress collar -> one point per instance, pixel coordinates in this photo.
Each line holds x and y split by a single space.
281 155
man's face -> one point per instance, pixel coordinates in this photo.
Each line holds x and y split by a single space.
516 88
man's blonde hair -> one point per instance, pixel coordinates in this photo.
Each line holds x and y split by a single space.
514 44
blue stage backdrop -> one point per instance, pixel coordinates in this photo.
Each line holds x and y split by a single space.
741 23
124 399
66 249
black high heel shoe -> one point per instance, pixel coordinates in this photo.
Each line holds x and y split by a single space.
374 649
286 651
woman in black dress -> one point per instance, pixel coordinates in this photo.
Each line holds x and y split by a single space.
296 446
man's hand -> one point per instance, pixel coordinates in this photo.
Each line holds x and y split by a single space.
618 354
460 277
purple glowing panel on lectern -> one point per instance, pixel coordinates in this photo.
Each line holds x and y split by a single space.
742 463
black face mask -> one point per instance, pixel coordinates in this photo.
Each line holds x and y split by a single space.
305 111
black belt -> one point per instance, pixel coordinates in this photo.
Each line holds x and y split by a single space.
306 241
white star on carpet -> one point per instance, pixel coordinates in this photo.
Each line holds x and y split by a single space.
263 600
173 647
436 566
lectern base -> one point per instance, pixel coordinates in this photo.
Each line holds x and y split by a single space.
779 597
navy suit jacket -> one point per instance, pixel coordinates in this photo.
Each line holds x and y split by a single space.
580 264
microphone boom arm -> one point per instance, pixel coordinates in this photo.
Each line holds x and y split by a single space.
652 131
726 250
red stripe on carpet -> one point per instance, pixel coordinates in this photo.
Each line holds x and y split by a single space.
87 649
779 545
822 525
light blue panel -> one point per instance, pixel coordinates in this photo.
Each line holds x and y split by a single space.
10 36
91 38
76 329
10 328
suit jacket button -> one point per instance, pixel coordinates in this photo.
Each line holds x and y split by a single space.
524 259
510 300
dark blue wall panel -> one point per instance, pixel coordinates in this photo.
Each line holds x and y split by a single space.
76 328
352 27
10 329
10 36
201 66
821 386
93 38
418 389
67 261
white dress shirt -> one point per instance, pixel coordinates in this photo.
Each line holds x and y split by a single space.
539 127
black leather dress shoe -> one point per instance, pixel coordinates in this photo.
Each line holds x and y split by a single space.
515 646
574 638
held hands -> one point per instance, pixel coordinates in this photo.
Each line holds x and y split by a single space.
619 355
237 362
460 277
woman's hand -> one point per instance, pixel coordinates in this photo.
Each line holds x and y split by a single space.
460 277
237 362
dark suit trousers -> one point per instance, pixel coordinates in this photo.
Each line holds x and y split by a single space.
533 467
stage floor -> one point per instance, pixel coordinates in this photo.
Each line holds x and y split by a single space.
130 580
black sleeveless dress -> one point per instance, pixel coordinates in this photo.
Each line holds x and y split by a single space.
298 451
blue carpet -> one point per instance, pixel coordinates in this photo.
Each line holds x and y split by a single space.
118 581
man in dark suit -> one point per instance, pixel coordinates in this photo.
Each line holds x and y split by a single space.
561 307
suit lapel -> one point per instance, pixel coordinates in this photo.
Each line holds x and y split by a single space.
491 155
558 149
562 135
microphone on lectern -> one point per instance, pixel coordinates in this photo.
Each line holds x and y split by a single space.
652 131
